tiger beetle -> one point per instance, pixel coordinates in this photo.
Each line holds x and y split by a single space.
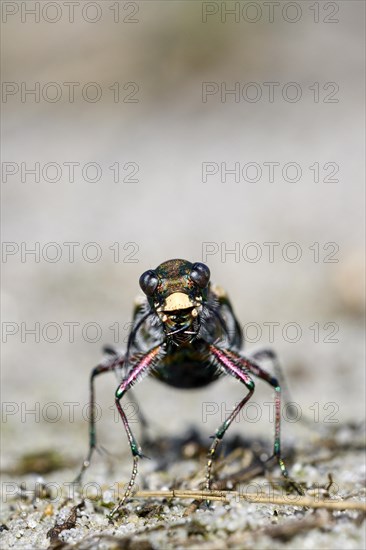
186 335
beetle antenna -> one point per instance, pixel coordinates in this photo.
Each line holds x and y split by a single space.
132 335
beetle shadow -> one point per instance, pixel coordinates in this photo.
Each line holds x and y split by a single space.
194 445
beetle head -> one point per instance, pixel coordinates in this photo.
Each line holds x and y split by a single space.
176 287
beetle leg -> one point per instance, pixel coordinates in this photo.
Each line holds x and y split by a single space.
145 440
141 367
141 417
231 367
267 353
114 362
278 386
258 371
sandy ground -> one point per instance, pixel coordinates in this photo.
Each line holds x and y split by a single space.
46 512
171 212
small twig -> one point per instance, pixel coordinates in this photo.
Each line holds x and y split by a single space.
227 496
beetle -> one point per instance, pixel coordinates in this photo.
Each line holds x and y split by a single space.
186 335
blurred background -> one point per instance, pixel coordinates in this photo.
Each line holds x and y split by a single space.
133 125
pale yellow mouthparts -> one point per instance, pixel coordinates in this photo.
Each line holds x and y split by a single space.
177 300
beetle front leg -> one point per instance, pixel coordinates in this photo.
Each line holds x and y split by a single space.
141 368
267 353
141 417
258 371
230 367
112 364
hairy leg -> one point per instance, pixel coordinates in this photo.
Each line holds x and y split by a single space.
141 368
254 368
231 367
106 366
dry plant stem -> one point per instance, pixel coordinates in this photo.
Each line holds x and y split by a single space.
227 496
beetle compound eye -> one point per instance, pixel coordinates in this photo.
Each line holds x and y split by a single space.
200 274
148 282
